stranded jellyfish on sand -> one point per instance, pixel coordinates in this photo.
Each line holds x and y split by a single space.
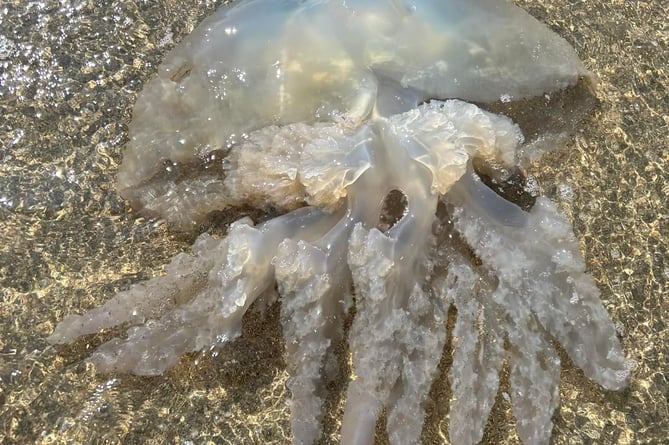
352 122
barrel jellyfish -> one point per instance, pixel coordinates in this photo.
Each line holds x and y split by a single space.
361 126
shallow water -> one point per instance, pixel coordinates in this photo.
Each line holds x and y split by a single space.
69 73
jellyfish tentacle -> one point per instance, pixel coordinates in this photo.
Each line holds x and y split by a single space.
544 265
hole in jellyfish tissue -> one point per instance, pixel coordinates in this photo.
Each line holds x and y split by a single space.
181 73
393 208
509 184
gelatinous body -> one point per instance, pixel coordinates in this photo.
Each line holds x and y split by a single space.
321 109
